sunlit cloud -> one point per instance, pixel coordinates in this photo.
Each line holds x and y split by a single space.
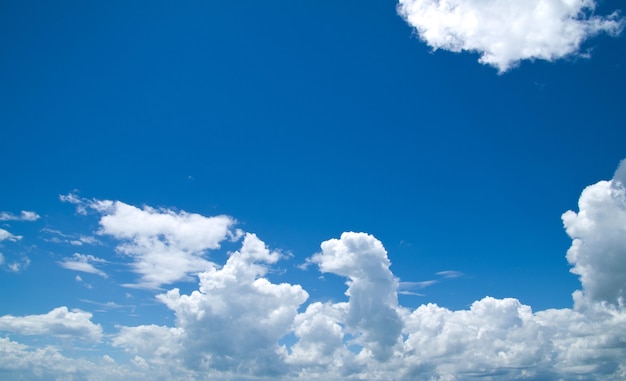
505 32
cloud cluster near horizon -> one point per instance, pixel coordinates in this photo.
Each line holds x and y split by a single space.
240 325
505 32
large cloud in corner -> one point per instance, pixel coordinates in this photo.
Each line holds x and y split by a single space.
504 32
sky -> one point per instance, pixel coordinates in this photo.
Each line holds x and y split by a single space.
313 190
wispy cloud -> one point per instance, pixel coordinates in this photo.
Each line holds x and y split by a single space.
83 263
23 216
6 236
56 236
450 274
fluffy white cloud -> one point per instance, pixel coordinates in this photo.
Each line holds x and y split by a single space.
238 325
21 362
5 235
372 289
505 32
59 322
503 339
24 216
598 232
237 317
165 245
83 263
232 323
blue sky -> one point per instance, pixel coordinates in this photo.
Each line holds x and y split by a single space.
146 144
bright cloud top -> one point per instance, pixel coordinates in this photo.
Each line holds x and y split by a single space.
166 246
240 325
504 32
598 232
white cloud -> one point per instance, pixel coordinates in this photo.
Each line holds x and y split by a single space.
6 236
166 246
372 289
238 325
503 339
598 232
1 259
450 274
504 32
21 362
83 263
59 322
24 216
235 319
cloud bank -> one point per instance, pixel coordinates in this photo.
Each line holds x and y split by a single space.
505 32
239 325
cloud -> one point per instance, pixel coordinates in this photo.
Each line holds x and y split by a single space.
60 322
235 319
6 236
83 263
504 32
239 325
372 289
504 339
598 232
166 246
24 216
74 240
21 362
450 274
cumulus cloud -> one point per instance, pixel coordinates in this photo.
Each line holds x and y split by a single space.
239 325
598 232
234 320
503 339
372 289
504 32
165 245
59 322
21 362
23 216
83 263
